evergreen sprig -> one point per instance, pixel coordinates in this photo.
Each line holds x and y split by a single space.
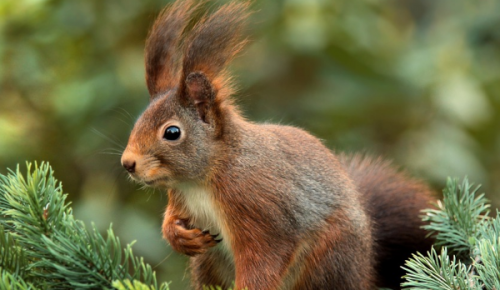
457 220
460 223
487 254
10 281
58 251
438 272
135 285
12 258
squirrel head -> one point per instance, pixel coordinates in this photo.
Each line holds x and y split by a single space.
182 131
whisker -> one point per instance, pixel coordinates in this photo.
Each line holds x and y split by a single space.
163 261
127 117
151 192
126 114
111 151
97 132
124 121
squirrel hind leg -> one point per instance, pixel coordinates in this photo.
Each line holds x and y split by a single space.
338 258
211 269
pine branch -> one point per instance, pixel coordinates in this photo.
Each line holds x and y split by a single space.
438 272
9 281
488 249
12 259
460 223
60 252
135 285
457 220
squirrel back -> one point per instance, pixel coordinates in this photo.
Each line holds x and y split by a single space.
266 206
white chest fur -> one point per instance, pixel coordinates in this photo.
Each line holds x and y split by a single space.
204 213
202 210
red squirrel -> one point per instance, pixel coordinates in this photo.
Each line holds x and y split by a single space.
258 205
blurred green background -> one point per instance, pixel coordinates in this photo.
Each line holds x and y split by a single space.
416 81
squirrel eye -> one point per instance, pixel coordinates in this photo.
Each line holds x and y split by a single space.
172 133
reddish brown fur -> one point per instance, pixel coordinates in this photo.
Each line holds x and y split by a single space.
292 214
247 233
205 270
321 262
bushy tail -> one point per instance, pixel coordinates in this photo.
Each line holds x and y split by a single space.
393 201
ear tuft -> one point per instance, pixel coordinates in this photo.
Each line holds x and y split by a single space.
211 44
215 40
200 91
163 49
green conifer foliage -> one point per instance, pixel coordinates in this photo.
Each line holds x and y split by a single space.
43 246
469 240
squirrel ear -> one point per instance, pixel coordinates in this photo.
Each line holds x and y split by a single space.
199 89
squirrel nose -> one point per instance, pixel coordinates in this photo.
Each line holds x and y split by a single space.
129 165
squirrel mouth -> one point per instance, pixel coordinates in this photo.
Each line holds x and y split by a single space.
154 181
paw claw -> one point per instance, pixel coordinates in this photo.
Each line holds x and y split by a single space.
186 238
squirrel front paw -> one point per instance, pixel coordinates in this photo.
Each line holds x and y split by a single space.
189 241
